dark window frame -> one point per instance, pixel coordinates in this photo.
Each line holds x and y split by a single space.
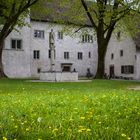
49 53
36 54
60 35
127 69
121 53
39 34
66 55
119 35
38 70
80 56
112 56
87 38
16 44
89 54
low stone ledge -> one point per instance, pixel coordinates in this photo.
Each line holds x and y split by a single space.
59 76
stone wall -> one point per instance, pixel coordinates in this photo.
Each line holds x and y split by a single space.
17 61
129 51
21 64
71 44
59 76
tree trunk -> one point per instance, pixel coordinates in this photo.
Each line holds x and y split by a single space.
2 74
102 48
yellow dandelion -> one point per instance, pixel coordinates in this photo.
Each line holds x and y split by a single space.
16 126
27 129
25 121
80 131
71 119
54 130
88 130
82 118
123 135
4 138
83 129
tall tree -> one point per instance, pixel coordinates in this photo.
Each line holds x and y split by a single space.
12 13
104 16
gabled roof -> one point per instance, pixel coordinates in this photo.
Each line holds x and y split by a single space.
58 13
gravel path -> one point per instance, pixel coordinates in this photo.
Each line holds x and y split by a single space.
134 88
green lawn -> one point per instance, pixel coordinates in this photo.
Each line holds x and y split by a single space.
98 110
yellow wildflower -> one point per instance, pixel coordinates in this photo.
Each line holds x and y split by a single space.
80 131
123 135
16 126
71 119
82 118
88 130
4 138
83 129
55 130
27 129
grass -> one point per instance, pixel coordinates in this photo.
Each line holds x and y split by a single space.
98 110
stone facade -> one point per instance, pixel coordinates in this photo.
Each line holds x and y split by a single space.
17 62
59 76
20 63
122 58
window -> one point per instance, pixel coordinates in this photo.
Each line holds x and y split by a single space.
80 55
89 55
128 69
38 70
16 44
66 55
60 35
83 38
112 56
49 53
118 35
87 38
36 54
38 33
121 53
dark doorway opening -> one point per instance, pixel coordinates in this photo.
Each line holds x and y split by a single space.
66 69
112 73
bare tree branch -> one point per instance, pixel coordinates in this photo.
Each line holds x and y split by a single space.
88 14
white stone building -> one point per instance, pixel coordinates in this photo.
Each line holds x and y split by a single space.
27 53
123 57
